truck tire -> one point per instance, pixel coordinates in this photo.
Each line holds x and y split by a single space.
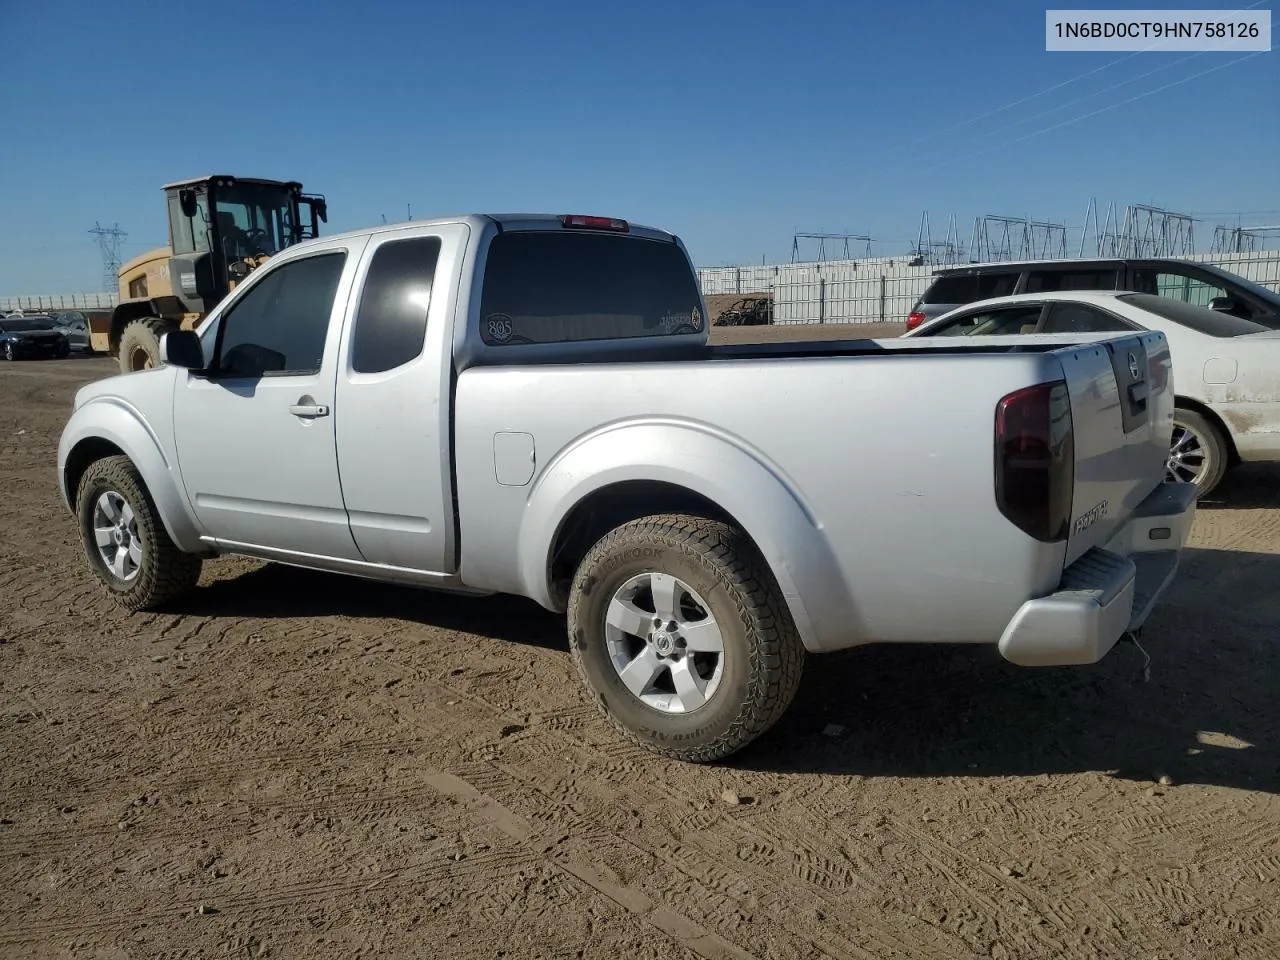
140 344
682 637
126 544
1197 451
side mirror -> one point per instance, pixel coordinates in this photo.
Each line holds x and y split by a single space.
1222 304
187 200
322 211
181 348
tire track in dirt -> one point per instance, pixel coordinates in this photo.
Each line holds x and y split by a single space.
675 925
284 897
624 760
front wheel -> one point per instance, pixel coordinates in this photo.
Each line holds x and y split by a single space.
1197 451
127 546
8 351
681 634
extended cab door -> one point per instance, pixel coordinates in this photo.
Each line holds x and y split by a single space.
255 431
395 375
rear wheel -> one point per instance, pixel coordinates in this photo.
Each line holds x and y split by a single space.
1197 451
8 351
682 636
125 542
140 344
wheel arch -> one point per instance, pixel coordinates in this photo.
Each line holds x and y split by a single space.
1196 406
107 428
622 473
609 507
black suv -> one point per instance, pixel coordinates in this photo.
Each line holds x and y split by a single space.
1199 283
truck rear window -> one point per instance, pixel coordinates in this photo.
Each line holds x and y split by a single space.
553 287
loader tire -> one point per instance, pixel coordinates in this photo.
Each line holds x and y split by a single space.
140 344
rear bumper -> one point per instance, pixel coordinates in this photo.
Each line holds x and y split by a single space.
1109 591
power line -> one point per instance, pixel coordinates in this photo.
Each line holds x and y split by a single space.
1066 123
1096 93
1058 86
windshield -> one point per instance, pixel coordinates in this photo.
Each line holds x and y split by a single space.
254 220
20 324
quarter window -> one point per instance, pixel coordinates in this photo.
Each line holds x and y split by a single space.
950 289
279 327
391 321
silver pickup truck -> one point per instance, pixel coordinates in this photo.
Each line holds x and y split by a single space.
528 404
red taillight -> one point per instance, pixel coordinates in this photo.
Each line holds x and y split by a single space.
914 319
594 223
1035 460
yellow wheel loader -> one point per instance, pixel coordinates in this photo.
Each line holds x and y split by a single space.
220 229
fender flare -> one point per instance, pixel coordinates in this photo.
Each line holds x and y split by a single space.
118 423
708 462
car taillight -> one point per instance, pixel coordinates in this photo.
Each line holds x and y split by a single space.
594 223
1035 460
914 319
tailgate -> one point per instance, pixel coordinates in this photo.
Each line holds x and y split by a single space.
1121 394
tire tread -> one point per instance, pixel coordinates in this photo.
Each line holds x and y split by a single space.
171 572
777 658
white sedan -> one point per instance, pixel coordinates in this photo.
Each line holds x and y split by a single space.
1226 371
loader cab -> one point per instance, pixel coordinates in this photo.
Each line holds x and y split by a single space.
221 228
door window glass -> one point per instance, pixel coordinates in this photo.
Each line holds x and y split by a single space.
280 325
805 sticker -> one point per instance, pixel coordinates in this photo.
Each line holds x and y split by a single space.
498 327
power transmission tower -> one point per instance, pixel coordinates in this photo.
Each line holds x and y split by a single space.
110 239
930 251
1151 232
1017 238
840 239
1243 239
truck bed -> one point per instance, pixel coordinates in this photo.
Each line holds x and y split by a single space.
890 465
621 352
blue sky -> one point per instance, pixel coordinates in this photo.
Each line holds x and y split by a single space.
733 124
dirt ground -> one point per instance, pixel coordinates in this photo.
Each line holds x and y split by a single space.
300 765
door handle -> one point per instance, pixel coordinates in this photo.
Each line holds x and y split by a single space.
307 407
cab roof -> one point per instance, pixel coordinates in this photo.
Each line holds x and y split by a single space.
504 221
257 181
